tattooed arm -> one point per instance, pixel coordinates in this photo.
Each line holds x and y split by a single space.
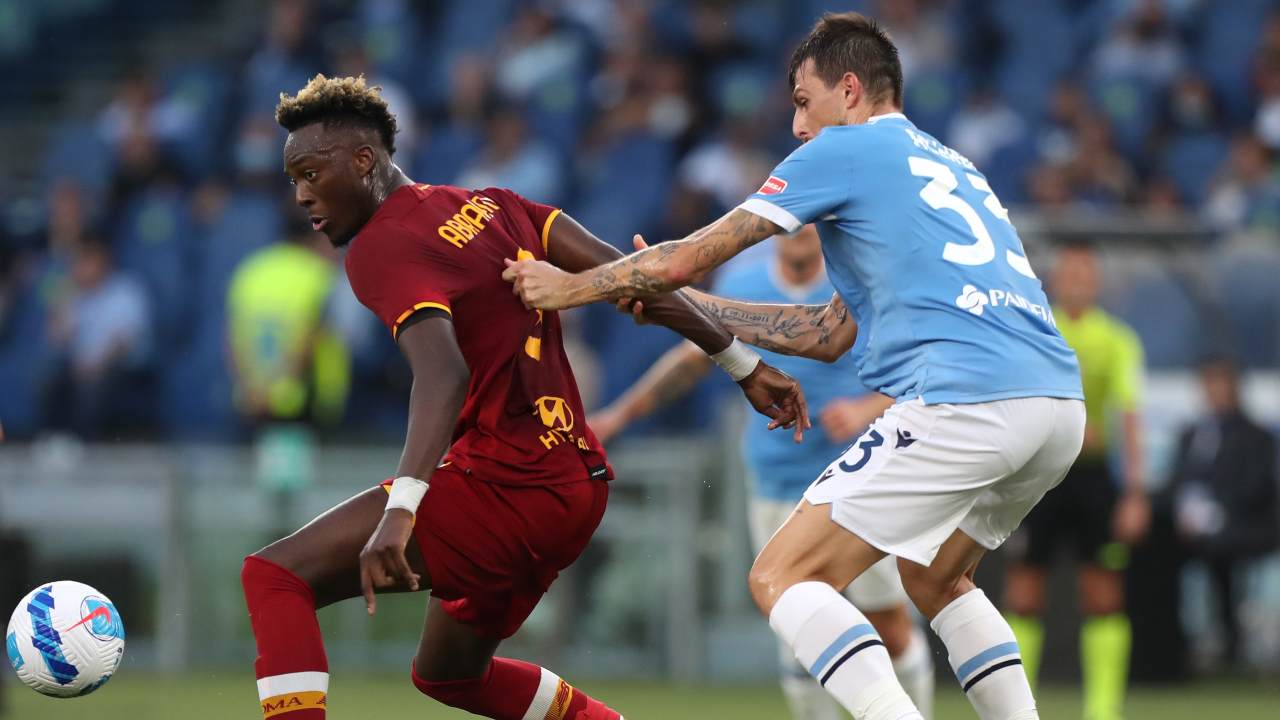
821 332
662 268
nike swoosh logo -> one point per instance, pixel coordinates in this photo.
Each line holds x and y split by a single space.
98 612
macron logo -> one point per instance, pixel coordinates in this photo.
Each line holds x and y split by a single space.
773 186
972 300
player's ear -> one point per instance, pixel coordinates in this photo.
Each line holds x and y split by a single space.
365 159
852 88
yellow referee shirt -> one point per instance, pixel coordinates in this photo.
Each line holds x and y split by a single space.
1111 366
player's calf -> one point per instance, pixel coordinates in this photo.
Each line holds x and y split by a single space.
292 671
516 690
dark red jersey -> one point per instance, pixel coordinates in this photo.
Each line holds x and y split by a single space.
437 246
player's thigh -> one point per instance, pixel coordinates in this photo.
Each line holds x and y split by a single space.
325 552
808 546
1024 588
450 650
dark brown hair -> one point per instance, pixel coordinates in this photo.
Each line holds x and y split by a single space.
339 102
852 42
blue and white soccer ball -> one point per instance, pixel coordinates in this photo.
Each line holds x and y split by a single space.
65 639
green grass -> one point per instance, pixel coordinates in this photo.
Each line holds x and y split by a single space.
230 696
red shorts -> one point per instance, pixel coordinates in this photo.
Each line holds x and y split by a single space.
492 551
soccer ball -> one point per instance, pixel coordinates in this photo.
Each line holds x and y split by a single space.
65 639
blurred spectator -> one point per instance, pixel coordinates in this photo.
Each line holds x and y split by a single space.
511 158
353 60
730 167
136 109
285 59
920 32
1224 489
983 126
1266 72
1245 193
1100 175
1145 45
285 362
102 338
453 142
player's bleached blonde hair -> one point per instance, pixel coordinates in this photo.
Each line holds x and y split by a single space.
339 102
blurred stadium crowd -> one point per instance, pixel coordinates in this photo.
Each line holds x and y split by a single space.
167 288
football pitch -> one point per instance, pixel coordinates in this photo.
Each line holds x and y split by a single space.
230 696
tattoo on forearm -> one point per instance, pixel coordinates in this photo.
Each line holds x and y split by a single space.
790 329
648 270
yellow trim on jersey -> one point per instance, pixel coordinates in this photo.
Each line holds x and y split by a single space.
287 703
546 228
395 329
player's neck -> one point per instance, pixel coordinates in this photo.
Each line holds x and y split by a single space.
387 180
862 112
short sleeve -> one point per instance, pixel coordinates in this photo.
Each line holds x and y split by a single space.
542 216
395 275
811 183
1128 370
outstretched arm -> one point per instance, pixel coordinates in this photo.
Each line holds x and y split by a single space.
771 392
662 268
673 375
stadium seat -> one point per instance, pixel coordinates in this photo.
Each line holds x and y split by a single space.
154 240
1243 275
1225 39
1191 160
1161 310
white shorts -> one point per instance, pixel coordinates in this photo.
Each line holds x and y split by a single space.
922 471
879 588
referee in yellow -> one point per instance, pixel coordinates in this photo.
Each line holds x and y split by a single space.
1092 513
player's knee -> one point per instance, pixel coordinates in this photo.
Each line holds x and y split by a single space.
931 591
461 694
1023 592
766 582
261 577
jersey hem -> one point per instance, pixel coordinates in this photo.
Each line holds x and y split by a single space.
965 399
777 215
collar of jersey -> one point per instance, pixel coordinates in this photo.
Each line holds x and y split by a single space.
886 116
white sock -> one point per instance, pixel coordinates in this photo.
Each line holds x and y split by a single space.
914 668
806 699
840 648
985 658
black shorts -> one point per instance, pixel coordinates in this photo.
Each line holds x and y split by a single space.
1077 513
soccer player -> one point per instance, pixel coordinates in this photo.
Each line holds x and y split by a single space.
955 328
500 484
780 470
1097 518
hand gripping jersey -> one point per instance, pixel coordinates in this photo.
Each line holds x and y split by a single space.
442 247
923 253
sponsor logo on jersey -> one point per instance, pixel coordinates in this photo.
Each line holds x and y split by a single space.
976 301
472 217
773 186
554 412
972 300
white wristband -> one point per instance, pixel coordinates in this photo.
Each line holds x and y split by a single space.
407 493
738 360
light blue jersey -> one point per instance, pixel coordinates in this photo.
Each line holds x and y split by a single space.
782 467
924 255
